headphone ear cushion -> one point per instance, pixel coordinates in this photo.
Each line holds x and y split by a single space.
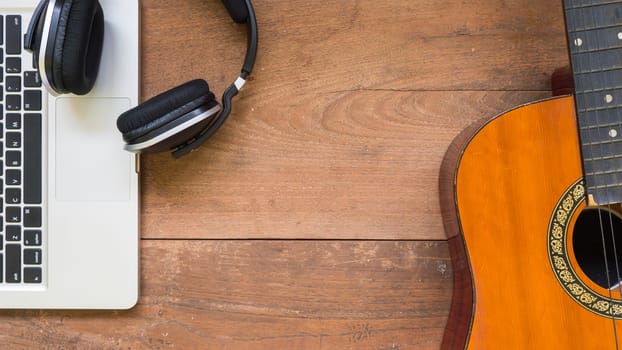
164 108
78 46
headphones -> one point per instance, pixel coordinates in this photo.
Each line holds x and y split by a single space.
66 39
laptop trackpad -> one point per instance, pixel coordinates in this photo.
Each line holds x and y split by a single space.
91 164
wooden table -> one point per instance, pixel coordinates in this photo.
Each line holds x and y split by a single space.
312 219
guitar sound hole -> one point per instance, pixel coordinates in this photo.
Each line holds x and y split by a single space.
594 226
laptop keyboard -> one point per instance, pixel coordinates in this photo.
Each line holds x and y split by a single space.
21 217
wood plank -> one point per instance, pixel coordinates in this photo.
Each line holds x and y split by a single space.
341 130
314 46
263 295
358 165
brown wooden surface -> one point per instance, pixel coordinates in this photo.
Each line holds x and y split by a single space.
339 135
342 129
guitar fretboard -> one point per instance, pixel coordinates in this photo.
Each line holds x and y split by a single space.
595 43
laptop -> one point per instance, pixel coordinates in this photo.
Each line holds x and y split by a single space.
69 234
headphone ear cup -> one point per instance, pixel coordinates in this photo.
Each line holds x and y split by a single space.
78 46
169 119
67 46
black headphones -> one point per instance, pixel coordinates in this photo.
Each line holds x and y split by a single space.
66 39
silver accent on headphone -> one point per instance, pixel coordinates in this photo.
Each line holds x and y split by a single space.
239 83
138 147
43 48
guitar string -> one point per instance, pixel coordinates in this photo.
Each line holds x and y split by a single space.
600 219
602 134
577 43
614 148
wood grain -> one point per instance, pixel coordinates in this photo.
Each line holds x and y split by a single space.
352 104
262 295
338 135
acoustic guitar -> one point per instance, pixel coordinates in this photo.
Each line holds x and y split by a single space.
531 206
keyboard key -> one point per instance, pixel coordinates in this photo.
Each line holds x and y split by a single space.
13 196
13 177
1 57
32 100
32 275
13 83
13 139
1 42
13 102
32 216
13 35
13 233
13 214
32 79
1 246
13 158
32 160
13 263
32 237
1 268
13 65
13 121
32 256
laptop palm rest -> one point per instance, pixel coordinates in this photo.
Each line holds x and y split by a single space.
90 164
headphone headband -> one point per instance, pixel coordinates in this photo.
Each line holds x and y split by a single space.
152 113
232 90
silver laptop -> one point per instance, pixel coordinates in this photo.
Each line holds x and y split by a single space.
69 232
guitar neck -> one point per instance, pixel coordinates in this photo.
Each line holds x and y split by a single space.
594 29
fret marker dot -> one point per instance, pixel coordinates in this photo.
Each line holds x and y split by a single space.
613 133
608 98
578 42
620 35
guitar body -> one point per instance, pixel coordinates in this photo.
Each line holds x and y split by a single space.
503 185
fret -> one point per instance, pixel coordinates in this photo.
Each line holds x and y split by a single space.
595 39
604 151
605 187
608 126
596 117
598 70
600 143
594 17
605 196
604 181
606 172
597 61
601 135
602 166
591 119
596 109
568 4
598 80
599 158
599 100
